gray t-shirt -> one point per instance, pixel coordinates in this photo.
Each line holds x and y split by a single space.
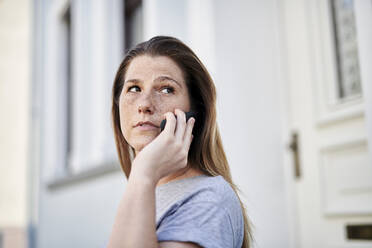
202 209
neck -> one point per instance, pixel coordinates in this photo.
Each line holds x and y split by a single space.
180 174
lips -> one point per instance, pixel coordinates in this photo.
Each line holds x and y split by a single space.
146 126
146 123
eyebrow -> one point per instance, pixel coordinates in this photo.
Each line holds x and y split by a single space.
160 78
132 81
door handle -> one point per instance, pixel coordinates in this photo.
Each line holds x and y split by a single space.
294 147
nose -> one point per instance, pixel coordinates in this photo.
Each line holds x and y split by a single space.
145 104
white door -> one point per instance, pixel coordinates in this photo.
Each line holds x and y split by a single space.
332 192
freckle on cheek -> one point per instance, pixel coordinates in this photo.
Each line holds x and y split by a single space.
128 100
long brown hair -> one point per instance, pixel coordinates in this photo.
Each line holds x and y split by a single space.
206 151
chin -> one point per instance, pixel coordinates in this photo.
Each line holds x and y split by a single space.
140 142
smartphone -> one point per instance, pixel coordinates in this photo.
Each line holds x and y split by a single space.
188 116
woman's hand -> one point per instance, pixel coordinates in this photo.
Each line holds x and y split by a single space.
136 215
168 152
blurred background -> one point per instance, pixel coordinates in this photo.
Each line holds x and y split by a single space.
294 85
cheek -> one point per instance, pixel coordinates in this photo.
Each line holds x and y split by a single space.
168 104
125 116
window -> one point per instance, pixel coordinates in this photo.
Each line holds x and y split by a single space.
133 23
346 48
64 94
84 44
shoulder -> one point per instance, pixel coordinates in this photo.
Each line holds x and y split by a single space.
214 191
201 189
209 207
217 190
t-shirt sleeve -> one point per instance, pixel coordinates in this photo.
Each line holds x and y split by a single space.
203 223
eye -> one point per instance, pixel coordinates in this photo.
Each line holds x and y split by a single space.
167 90
133 89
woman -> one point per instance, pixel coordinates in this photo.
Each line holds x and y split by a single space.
179 191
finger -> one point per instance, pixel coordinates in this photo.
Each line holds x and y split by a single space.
181 124
188 133
170 125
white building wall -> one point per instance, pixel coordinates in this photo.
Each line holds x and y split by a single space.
15 52
249 111
165 17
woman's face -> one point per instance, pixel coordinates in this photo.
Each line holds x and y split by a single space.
152 87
